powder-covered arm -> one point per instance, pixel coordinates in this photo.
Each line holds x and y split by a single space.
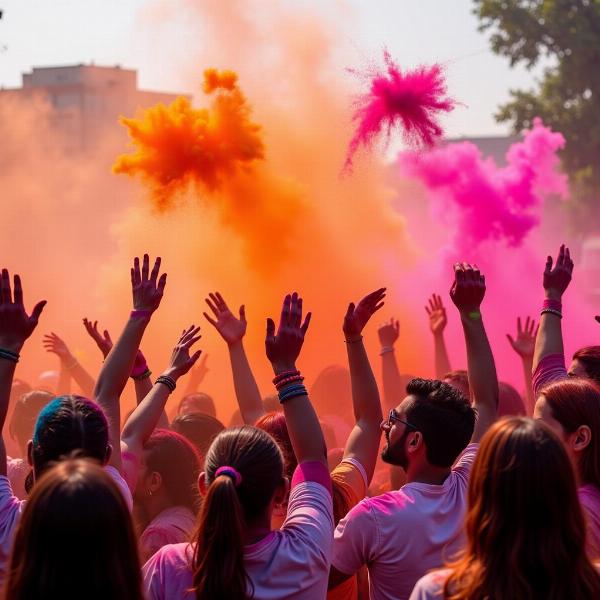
15 327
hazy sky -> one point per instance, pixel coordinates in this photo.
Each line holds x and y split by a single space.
56 32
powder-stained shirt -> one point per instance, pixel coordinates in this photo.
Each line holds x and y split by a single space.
17 470
291 563
173 525
403 534
11 509
431 586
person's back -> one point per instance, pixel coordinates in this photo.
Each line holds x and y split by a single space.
75 539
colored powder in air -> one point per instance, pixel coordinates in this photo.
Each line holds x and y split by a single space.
178 145
481 201
412 99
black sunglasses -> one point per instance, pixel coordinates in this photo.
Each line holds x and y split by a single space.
393 417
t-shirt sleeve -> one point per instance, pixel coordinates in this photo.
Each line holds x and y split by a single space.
121 484
550 368
10 512
464 463
351 477
429 587
355 539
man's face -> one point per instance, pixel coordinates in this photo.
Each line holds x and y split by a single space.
396 432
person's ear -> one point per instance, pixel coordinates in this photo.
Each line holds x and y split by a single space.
581 438
415 441
155 482
202 483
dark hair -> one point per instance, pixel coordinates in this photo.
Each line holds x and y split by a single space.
525 527
575 402
276 426
75 539
25 414
199 428
444 416
201 403
177 461
69 424
227 508
589 357
510 402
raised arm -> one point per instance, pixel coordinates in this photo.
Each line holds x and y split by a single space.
363 441
524 345
233 330
437 323
147 289
467 293
283 349
388 333
549 339
196 376
69 365
15 327
146 417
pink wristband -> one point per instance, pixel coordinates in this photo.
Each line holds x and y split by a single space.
140 365
140 313
553 304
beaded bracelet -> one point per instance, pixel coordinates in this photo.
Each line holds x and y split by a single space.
168 381
9 355
551 311
288 380
142 376
285 374
292 392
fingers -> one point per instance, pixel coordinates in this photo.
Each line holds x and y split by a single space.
162 282
37 311
18 291
221 302
145 267
285 311
306 323
155 269
195 357
5 287
519 328
212 306
296 310
350 312
270 329
396 326
548 268
209 319
136 276
510 339
243 313
107 337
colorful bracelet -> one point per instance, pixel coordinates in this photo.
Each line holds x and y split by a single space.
553 304
551 311
288 380
142 376
284 375
475 315
386 349
9 355
168 381
292 391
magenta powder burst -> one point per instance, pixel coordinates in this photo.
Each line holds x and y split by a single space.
412 99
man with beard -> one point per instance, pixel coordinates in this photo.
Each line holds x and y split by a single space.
403 534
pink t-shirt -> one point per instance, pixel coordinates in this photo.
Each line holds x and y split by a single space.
403 534
551 368
589 497
11 509
172 526
17 470
431 586
292 562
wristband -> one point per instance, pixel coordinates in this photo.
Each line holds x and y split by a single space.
140 313
9 355
553 304
359 339
284 375
386 349
552 312
168 381
292 391
475 315
142 376
140 365
72 365
288 380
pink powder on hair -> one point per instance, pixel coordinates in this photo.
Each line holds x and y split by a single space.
411 99
481 201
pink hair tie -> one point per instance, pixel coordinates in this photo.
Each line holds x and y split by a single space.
230 472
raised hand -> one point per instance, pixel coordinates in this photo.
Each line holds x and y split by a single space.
232 330
437 315
283 347
524 344
103 341
181 361
358 316
468 289
15 324
388 333
557 279
147 288
52 343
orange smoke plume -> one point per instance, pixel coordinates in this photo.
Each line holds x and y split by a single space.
178 145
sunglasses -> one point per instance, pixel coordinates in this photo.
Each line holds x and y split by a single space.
394 417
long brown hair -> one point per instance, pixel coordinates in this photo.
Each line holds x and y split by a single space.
575 402
228 507
75 539
525 529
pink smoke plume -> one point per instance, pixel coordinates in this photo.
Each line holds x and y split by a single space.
482 201
411 99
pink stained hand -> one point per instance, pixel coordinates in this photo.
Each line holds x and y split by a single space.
231 329
147 288
15 324
283 347
358 316
437 315
524 343
468 289
557 278
388 333
181 361
103 341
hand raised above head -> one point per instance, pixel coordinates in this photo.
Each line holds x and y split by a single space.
358 316
181 361
437 314
558 277
524 343
147 288
103 341
468 289
232 329
389 332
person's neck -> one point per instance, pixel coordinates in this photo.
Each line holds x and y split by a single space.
153 506
427 474
257 530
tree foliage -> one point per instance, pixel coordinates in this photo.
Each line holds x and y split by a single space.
566 35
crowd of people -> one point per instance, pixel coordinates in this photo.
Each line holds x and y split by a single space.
455 488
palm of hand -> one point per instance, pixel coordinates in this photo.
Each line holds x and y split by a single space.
230 328
524 344
438 320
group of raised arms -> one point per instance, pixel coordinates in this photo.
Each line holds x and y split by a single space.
460 488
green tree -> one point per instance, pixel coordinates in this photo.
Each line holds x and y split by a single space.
566 35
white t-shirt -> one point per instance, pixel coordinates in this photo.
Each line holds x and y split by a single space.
403 534
11 509
431 587
291 563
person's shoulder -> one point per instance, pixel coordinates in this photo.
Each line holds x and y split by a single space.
466 458
430 586
173 556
